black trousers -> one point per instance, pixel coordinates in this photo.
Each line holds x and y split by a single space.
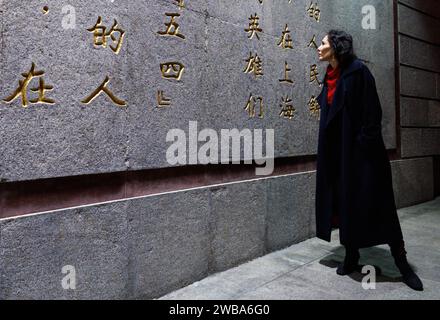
397 249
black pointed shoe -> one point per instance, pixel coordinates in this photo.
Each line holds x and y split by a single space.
409 277
345 269
413 281
350 264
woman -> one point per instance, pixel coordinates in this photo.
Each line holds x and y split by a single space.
354 190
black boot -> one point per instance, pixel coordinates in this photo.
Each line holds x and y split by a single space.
351 262
409 277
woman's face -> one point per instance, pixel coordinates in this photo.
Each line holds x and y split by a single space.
325 51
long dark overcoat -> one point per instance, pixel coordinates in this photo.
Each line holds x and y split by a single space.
353 178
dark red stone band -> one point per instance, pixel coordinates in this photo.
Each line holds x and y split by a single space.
20 198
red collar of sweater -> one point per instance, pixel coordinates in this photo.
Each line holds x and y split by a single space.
333 75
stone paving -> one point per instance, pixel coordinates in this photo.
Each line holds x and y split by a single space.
307 270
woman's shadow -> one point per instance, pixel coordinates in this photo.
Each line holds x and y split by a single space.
379 258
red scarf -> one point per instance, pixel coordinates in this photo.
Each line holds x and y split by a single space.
332 80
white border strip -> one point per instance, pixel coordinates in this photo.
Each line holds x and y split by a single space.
155 194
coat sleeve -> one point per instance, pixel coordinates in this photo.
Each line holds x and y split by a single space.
370 135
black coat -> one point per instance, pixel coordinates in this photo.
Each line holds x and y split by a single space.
353 177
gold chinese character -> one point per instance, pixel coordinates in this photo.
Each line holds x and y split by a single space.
252 103
286 74
254 27
314 74
180 4
286 39
172 27
254 65
161 100
103 88
287 109
314 107
100 35
313 42
314 11
21 91
172 70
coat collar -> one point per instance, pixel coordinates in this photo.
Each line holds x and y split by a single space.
338 100
355 65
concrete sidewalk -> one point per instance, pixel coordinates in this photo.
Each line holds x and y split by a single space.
308 270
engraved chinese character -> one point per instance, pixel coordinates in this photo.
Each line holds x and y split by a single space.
172 70
180 4
251 105
161 100
312 42
254 65
172 27
103 88
286 39
101 35
286 74
314 107
314 11
314 74
287 109
254 27
22 89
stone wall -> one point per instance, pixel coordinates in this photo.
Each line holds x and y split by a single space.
74 138
419 48
88 185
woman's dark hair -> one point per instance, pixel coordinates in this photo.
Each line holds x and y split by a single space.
342 44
